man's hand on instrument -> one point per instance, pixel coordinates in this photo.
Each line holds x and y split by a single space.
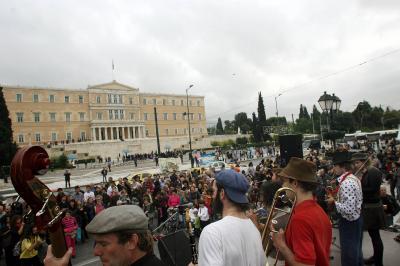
50 260
278 239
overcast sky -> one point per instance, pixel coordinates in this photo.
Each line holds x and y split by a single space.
229 50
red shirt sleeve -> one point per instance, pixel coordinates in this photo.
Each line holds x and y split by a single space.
300 241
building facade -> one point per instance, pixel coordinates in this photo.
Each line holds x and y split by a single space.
106 112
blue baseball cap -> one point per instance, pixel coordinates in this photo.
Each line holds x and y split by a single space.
235 185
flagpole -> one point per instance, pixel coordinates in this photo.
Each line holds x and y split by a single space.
112 69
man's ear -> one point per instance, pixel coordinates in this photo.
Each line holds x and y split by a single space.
222 194
133 242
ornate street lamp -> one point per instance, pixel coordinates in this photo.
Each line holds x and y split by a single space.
336 103
325 102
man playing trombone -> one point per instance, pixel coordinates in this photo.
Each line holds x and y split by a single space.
308 237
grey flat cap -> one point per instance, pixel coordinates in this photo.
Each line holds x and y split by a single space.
118 218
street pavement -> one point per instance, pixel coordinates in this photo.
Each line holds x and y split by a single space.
90 175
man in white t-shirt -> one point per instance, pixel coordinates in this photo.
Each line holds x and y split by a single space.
88 194
233 240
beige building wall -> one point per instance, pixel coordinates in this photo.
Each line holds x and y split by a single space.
171 114
105 112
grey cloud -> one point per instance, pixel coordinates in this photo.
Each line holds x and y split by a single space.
163 46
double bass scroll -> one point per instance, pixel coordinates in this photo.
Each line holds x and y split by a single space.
27 163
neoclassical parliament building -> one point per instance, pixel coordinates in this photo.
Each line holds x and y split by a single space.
101 113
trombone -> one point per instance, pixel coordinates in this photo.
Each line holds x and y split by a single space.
281 195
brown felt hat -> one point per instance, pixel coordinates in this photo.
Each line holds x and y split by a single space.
300 170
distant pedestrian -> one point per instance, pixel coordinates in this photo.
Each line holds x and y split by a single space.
109 164
104 174
135 160
67 176
156 160
181 157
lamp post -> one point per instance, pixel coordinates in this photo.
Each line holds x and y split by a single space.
188 116
328 104
276 107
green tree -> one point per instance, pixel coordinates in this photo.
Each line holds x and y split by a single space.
281 121
301 112
344 121
242 122
261 117
305 112
8 147
229 127
391 119
316 116
303 125
361 114
256 129
220 129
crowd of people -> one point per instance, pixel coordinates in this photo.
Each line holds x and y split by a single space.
348 188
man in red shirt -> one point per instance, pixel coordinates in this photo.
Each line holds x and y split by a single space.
308 237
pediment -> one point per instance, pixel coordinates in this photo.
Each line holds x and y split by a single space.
114 85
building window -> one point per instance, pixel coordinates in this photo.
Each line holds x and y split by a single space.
173 102
199 116
53 117
37 137
99 116
147 132
166 131
120 99
154 101
176 131
145 116
19 97
20 138
80 99
109 98
69 136
81 116
190 102
83 135
121 114
67 117
182 103
165 116
66 99
51 98
36 117
20 117
198 103
98 99
184 131
144 101
132 116
53 136
35 98
115 98
174 116
164 102
130 100
192 129
110 114
191 116
116 114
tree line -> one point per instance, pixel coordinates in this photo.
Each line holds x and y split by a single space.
364 117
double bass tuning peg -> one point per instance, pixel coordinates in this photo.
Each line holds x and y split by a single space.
44 207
